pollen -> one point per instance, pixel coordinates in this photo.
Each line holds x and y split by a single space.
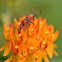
16 47
53 35
47 32
19 35
8 28
19 23
31 48
44 42
40 22
8 33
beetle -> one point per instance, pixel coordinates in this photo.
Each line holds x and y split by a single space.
25 22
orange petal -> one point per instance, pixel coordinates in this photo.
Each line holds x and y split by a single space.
9 37
40 19
20 19
39 59
5 35
36 54
55 53
43 23
55 35
8 60
2 48
50 50
16 23
20 56
12 46
12 30
22 32
9 25
34 59
25 52
7 50
4 27
36 21
45 58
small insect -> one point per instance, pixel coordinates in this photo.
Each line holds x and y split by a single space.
26 21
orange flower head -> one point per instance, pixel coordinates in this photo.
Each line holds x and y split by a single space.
34 41
15 48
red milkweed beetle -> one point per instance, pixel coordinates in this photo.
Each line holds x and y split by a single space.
26 21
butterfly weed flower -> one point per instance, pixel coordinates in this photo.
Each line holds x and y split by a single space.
9 35
33 44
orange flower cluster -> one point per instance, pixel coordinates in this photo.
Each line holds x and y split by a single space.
31 45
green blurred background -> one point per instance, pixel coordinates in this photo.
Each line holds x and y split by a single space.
49 9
